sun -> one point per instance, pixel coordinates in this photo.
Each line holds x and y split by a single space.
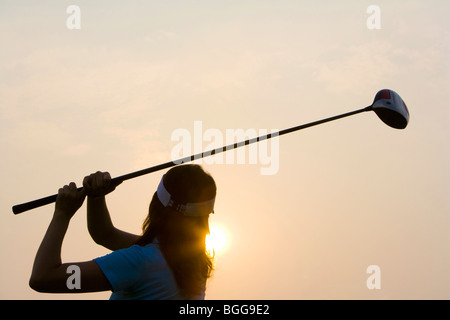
217 241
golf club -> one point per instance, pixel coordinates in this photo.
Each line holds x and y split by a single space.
388 106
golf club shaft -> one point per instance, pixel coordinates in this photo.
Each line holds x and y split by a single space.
50 199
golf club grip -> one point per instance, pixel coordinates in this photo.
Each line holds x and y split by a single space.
19 208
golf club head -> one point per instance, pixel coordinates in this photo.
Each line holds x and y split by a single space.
391 109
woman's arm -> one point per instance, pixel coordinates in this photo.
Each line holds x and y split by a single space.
100 225
49 274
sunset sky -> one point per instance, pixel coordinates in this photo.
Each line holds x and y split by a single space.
345 196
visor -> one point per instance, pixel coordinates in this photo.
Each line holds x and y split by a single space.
188 209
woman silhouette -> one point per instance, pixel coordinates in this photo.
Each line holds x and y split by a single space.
168 261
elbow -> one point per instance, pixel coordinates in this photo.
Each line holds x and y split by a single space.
97 235
40 282
102 238
99 239
36 284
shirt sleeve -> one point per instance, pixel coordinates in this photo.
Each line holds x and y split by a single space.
122 267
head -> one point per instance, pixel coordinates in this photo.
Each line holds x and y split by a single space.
181 235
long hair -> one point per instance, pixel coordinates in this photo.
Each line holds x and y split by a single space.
182 238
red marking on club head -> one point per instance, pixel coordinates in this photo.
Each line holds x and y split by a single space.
383 94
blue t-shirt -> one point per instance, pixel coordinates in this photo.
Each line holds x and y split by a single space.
140 273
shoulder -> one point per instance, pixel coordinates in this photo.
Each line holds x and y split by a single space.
126 267
135 253
132 255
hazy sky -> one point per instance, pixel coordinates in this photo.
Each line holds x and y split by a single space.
346 195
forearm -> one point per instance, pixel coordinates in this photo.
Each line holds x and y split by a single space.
100 226
48 256
99 221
